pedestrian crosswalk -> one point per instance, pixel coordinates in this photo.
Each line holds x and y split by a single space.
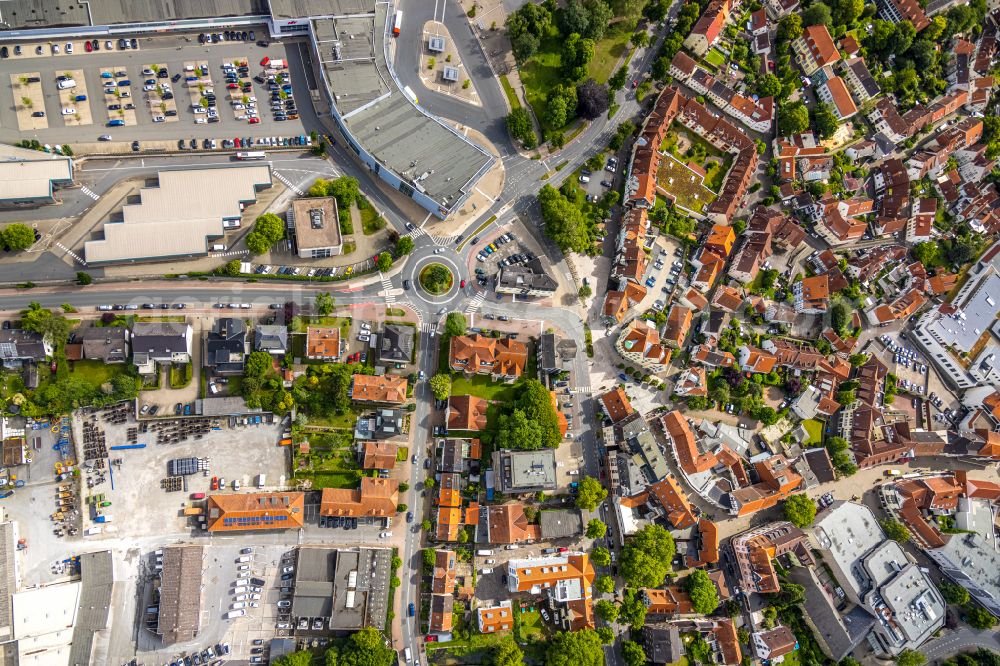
444 241
71 253
417 231
289 184
474 304
427 327
583 389
90 193
233 253
390 298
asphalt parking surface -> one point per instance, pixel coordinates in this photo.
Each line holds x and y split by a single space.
173 52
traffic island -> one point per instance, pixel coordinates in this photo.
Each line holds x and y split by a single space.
436 279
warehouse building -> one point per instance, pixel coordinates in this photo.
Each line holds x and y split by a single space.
347 589
158 228
30 177
179 617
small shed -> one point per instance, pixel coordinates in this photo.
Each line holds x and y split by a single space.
435 44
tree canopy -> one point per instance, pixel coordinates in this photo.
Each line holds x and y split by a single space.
592 99
520 127
648 557
367 648
800 510
575 648
17 236
704 595
606 610
529 421
564 221
507 653
441 386
590 493
633 654
895 530
793 118
596 528
455 324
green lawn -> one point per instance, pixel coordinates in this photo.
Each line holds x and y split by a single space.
95 372
531 624
541 72
482 387
371 221
508 90
341 421
330 463
715 58
815 430
607 53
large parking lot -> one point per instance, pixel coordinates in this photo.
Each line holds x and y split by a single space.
161 90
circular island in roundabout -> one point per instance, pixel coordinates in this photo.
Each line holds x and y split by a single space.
436 279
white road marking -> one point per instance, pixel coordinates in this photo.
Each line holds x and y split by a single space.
70 253
90 193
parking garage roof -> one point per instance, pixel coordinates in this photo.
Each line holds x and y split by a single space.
27 14
430 156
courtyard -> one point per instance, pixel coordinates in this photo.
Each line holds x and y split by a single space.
684 185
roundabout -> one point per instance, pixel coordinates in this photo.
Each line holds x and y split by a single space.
435 275
436 279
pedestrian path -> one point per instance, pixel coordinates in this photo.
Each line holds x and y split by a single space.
288 184
390 298
90 193
70 253
474 304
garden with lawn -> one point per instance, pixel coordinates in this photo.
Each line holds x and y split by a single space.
329 460
683 185
815 430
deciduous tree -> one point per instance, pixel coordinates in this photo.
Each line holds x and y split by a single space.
703 593
590 493
800 510
647 557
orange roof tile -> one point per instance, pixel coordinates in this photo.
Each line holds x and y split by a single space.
379 455
374 498
389 389
466 412
255 511
322 342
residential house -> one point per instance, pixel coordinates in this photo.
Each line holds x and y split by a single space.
756 360
834 92
758 548
503 359
271 338
815 49
522 472
375 498
727 299
226 346
234 512
381 390
639 343
382 424
617 303
529 279
378 455
859 80
773 644
496 618
154 342
323 343
396 345
466 412
567 579
895 11
441 618
709 27
812 294
108 344
616 405
678 324
506 524
777 481
663 643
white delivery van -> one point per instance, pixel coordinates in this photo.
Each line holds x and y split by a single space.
234 614
261 479
240 589
218 247
409 655
484 553
487 571
238 605
66 84
243 558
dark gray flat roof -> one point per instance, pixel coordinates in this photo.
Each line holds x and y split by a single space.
94 607
303 8
432 157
